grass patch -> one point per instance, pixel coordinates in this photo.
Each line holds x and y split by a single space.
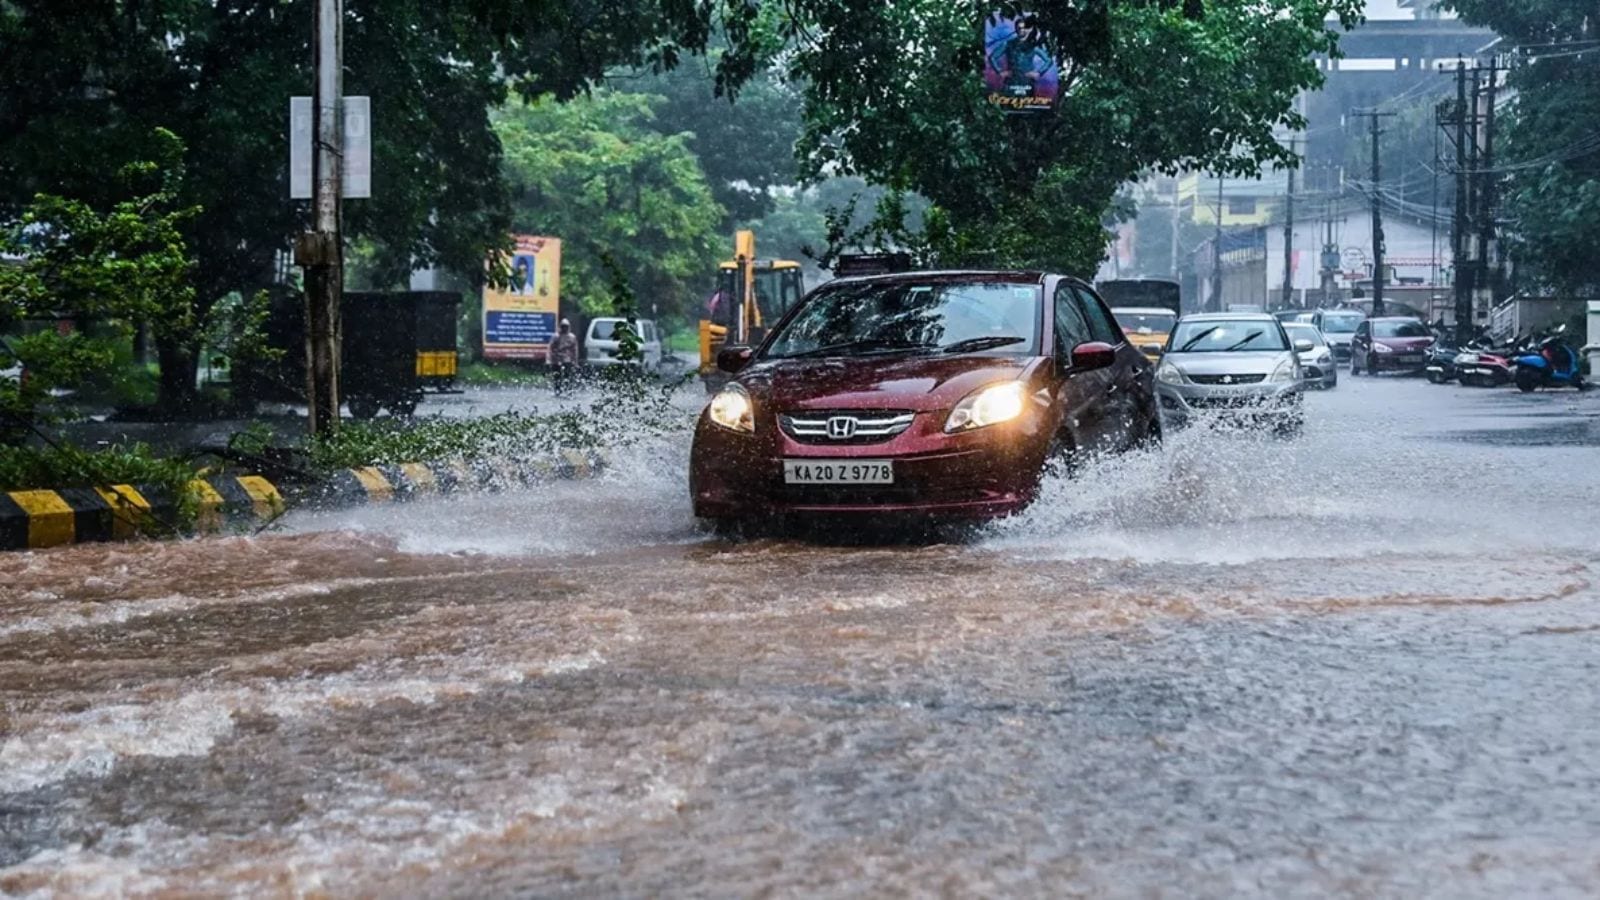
487 374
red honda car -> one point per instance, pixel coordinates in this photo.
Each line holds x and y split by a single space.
937 394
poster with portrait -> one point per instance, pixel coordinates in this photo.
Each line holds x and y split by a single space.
1019 73
519 320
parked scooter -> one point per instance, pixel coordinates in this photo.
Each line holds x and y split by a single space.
1481 365
1554 365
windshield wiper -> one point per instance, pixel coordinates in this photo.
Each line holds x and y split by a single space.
869 345
1252 336
1189 344
989 342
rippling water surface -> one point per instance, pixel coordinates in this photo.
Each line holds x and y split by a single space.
1359 663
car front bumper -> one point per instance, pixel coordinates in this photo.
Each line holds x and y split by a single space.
986 474
1267 404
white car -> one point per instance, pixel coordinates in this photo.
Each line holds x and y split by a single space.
1317 363
1235 366
601 346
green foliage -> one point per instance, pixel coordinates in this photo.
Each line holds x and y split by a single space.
892 94
1545 145
86 83
127 262
596 173
489 374
28 468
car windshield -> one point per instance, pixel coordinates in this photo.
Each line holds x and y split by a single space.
1134 322
1400 330
1341 324
1225 335
1304 333
909 316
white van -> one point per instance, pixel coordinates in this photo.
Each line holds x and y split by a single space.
601 346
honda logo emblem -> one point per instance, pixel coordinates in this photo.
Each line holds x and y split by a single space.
842 428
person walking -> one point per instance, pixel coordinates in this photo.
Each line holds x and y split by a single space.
563 357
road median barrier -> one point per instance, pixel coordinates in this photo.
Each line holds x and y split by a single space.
36 519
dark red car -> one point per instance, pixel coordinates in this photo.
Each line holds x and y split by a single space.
938 394
1392 344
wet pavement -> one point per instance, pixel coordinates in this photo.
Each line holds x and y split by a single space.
1360 663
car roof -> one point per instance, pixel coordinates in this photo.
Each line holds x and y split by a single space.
1396 319
997 276
1143 310
1229 317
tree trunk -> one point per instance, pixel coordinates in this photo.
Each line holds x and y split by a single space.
178 398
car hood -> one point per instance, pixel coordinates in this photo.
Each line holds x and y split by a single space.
1255 362
915 383
1342 339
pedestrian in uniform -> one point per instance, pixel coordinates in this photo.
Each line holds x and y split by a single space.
563 357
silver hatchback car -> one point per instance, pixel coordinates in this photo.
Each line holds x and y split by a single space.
1240 367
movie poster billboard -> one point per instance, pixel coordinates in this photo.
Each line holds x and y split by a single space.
1018 70
519 320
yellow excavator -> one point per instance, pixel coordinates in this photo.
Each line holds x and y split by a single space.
752 294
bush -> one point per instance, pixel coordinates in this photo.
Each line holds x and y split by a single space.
30 468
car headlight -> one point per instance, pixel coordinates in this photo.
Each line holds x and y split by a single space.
1169 373
1382 348
1288 370
731 408
987 406
1324 358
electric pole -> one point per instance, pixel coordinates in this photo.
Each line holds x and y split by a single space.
1483 171
1216 254
1288 239
1458 230
320 251
1375 118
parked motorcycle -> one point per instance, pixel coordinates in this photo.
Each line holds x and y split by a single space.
1441 363
1554 365
1483 366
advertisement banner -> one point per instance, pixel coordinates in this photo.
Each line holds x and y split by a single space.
519 321
1018 70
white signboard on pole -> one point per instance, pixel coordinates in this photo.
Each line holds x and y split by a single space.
355 176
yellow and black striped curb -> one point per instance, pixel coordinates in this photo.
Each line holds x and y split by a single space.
31 520
48 518
383 484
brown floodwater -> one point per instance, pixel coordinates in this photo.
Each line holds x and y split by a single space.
1361 663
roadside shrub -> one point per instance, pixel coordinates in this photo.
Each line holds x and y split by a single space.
30 468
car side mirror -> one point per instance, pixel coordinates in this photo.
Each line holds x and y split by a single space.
1305 346
733 359
1093 355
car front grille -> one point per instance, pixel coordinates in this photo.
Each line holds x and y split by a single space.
845 426
1227 379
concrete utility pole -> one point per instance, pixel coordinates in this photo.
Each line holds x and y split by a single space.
1458 231
1216 254
1377 211
1288 239
321 251
1488 284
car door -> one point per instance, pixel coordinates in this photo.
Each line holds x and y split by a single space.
1081 395
1129 395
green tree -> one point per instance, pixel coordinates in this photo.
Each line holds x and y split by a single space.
126 262
84 84
597 174
1546 148
893 94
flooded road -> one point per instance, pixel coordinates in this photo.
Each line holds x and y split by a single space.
1359 663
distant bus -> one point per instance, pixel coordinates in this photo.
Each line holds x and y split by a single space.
1142 292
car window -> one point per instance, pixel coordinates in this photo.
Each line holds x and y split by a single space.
1148 323
1101 324
913 316
1339 323
1362 330
649 330
1228 335
1305 333
1072 328
1401 330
